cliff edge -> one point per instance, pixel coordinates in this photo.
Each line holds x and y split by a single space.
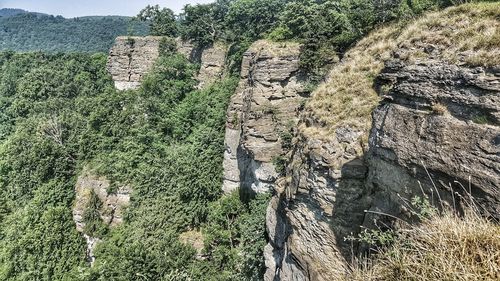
411 111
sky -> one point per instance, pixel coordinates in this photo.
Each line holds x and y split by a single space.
78 8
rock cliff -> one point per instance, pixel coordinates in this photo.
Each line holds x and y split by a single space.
131 58
437 129
212 64
404 114
112 205
261 115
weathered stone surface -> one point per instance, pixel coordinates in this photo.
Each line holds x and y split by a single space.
437 121
131 58
213 62
188 49
439 117
325 198
264 107
112 209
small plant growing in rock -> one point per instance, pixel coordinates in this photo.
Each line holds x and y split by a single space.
439 109
286 139
480 119
375 237
422 208
385 89
130 41
279 163
235 120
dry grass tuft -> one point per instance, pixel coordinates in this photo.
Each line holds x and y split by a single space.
444 247
193 238
468 34
439 109
276 49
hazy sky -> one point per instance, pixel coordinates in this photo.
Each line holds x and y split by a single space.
76 8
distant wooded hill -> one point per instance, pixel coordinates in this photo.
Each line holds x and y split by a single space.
26 31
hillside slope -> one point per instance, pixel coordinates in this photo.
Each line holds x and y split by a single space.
23 32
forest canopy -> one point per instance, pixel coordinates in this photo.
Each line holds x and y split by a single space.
23 32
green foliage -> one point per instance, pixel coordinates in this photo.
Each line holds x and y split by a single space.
234 239
279 163
40 242
326 28
252 19
43 123
422 208
481 119
138 253
375 237
165 140
38 32
94 226
162 22
204 23
168 46
230 20
286 139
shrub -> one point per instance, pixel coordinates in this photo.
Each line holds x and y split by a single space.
442 247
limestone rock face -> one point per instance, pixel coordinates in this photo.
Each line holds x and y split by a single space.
131 58
439 125
436 131
113 204
324 198
261 114
213 62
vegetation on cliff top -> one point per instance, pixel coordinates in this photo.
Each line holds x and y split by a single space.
468 34
326 28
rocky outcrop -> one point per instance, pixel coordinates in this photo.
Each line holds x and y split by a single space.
261 115
436 134
112 204
438 130
213 63
320 202
131 58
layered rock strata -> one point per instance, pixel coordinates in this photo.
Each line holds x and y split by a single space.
435 134
212 64
437 130
321 201
261 115
131 58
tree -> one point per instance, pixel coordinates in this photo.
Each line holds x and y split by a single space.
251 19
162 22
204 23
199 23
